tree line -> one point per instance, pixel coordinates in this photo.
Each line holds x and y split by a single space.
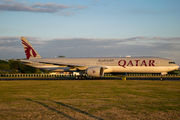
15 66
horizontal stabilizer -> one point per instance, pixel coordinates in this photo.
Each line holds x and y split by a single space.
26 61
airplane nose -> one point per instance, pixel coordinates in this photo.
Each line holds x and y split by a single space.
177 67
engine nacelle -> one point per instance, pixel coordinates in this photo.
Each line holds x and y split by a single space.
95 71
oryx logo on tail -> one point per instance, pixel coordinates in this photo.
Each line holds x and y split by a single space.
29 50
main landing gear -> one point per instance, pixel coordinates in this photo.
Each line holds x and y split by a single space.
81 77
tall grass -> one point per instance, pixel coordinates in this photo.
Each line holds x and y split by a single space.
91 99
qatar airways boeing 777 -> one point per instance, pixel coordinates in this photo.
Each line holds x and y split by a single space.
96 67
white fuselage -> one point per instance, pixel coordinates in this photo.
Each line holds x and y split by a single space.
114 65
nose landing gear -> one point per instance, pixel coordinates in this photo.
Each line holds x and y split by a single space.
162 79
162 74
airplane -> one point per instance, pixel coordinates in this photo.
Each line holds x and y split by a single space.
96 67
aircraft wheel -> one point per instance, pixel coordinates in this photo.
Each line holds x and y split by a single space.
84 77
162 79
81 77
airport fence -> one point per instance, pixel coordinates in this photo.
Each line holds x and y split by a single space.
146 75
35 75
71 75
151 75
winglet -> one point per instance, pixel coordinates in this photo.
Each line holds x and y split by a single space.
29 50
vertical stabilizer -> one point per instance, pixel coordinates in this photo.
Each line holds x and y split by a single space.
29 50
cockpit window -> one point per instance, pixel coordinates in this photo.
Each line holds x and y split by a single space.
172 63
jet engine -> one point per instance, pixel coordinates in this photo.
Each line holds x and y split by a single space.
95 71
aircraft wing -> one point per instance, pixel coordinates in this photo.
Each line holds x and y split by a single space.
70 65
65 64
54 63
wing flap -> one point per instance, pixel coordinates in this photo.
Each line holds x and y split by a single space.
64 64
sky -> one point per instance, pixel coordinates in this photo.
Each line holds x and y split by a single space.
91 28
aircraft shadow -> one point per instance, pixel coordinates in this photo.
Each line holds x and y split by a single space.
53 109
64 105
78 110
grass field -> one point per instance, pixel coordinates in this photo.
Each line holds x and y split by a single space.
91 99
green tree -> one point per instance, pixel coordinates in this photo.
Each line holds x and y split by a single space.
3 61
4 65
28 69
14 65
